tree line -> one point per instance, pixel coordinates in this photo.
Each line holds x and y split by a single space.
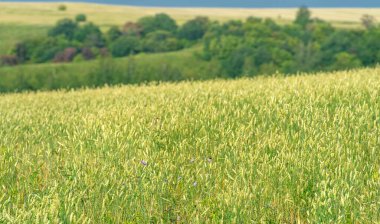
241 48
77 40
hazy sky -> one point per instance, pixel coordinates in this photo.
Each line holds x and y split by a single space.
233 3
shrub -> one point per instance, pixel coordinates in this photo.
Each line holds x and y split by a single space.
22 52
90 35
65 27
194 29
132 29
88 53
45 49
10 60
158 22
161 41
104 52
62 8
113 33
125 45
80 18
65 56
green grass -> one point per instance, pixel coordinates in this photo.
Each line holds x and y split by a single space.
141 68
10 34
301 149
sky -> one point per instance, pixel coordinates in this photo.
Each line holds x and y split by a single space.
230 3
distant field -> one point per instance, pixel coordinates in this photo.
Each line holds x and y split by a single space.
302 149
47 13
24 20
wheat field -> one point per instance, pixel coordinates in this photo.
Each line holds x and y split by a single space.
106 15
302 149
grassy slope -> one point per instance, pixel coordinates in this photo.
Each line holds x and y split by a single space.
139 68
282 150
20 20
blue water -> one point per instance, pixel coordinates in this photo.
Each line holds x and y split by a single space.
231 3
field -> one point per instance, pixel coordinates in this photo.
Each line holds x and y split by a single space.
299 149
20 20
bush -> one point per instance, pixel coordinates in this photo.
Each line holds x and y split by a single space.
88 53
90 35
81 18
113 33
9 60
158 22
65 27
161 41
62 8
22 51
132 29
65 56
125 45
194 29
45 49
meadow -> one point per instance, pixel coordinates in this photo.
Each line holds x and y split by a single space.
301 149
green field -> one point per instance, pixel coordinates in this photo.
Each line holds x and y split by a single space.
302 149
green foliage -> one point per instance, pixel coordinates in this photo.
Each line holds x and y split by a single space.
90 35
194 29
65 27
174 66
345 60
161 41
158 22
80 18
259 47
125 45
113 33
303 17
45 49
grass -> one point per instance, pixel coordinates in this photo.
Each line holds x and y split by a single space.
10 34
299 149
141 68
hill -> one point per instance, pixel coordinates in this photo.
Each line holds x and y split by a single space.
18 20
282 150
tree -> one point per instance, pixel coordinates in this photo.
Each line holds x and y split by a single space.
125 45
160 41
45 49
90 35
65 27
303 17
368 21
194 29
345 60
113 33
81 18
158 22
132 29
